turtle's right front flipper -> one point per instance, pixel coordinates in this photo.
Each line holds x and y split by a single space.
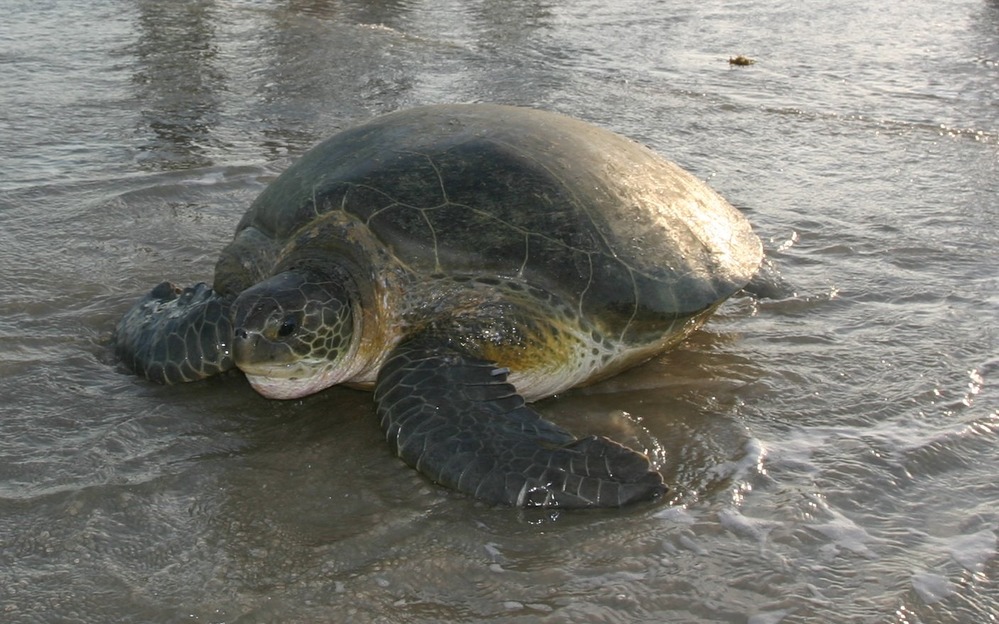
456 419
173 335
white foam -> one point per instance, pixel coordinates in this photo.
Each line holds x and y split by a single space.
846 534
750 462
678 515
753 528
768 617
973 550
932 588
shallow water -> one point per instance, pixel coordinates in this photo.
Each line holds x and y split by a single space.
833 452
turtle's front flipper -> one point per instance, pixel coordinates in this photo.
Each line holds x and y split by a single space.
457 420
173 335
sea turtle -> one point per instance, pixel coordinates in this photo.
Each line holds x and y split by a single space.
462 260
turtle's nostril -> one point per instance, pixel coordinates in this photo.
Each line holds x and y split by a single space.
241 333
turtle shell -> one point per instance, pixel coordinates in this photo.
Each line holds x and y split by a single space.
625 236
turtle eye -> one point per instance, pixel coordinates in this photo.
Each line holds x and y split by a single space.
288 326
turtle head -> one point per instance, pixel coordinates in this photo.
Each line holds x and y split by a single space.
294 333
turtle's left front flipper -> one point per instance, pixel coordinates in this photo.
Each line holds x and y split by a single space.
457 420
173 335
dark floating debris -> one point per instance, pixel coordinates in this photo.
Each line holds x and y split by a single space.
740 60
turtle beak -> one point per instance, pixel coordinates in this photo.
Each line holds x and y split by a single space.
253 351
272 368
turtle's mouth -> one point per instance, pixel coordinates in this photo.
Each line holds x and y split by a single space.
287 382
274 369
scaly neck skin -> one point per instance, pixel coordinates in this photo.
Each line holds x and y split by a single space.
297 332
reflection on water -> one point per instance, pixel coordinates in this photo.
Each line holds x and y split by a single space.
831 449
180 81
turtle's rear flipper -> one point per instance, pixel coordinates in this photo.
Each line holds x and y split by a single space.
173 335
457 420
